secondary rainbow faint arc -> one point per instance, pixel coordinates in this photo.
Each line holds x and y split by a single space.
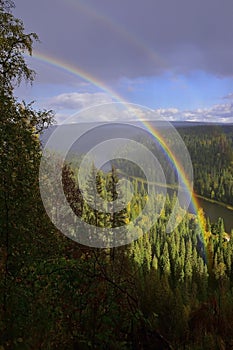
120 29
84 75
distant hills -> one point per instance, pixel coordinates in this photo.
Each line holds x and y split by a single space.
101 131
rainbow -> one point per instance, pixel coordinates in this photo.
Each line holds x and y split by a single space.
181 172
67 67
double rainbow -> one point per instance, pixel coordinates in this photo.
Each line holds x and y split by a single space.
69 68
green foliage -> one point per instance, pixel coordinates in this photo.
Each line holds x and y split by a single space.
13 43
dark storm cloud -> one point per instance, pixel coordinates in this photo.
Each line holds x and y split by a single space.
130 38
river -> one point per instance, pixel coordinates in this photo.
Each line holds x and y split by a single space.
211 210
214 211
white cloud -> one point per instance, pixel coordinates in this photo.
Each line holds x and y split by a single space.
228 96
217 113
76 100
65 104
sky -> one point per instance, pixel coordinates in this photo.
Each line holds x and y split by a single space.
173 56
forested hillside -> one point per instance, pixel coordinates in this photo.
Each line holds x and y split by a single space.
211 151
